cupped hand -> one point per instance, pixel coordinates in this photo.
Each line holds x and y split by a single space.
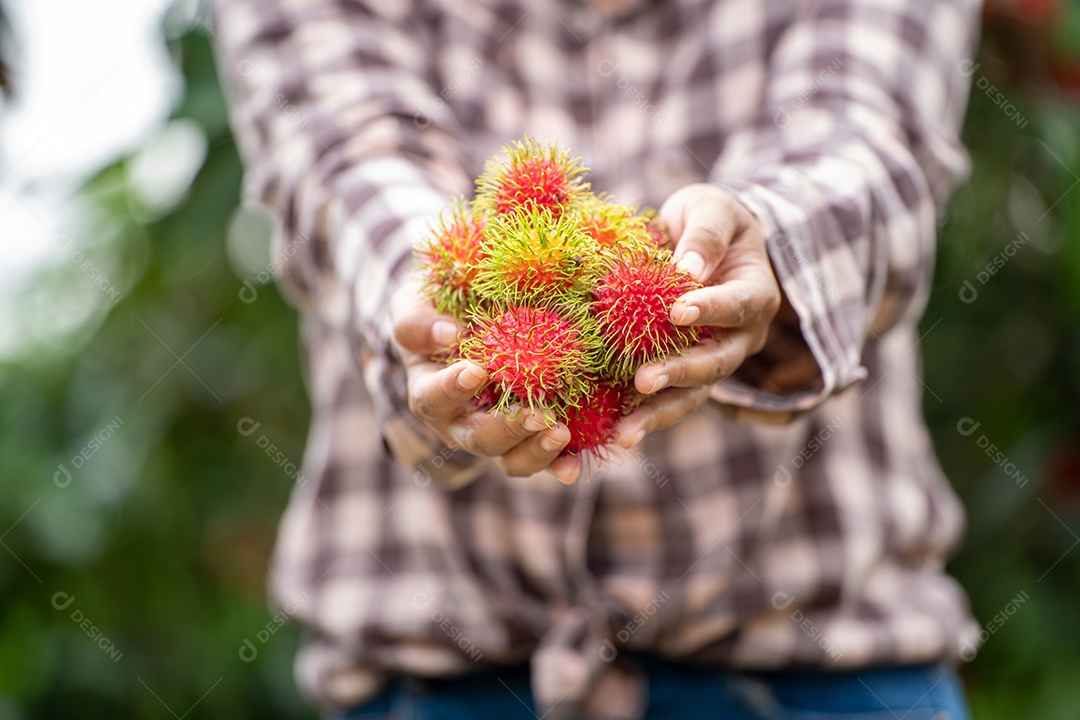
521 444
720 243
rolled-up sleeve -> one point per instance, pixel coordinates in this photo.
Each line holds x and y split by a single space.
855 151
343 135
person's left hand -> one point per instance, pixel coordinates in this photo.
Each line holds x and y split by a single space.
720 243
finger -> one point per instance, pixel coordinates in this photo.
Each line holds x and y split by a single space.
706 363
493 434
438 393
703 223
750 299
418 327
535 453
657 413
567 469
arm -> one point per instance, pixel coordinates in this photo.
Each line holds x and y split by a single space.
840 178
339 122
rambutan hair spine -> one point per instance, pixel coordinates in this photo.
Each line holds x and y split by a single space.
632 304
538 356
448 259
535 255
532 177
613 226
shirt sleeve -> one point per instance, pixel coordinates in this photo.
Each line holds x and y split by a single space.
344 135
854 151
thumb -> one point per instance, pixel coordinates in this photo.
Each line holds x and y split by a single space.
418 327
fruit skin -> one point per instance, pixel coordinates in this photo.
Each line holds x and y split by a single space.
592 425
563 294
657 229
533 177
535 254
611 225
537 356
632 305
449 260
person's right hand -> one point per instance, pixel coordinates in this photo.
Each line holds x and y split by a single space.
441 395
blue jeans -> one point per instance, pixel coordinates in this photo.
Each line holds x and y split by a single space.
681 692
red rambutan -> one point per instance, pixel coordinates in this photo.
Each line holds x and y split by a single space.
533 177
488 397
534 355
592 423
448 261
632 305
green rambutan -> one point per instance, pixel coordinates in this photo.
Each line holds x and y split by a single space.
611 225
534 355
534 254
632 305
449 260
533 177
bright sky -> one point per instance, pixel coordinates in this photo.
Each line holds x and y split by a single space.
93 80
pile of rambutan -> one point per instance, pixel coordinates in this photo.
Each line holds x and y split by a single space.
564 294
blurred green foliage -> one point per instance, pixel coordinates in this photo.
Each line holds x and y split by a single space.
132 494
138 520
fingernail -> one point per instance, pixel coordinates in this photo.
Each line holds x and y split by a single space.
549 444
444 333
687 313
470 378
533 424
692 263
569 479
659 384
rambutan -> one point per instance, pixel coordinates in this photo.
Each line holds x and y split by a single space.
488 397
533 177
562 294
532 254
535 355
592 423
449 260
632 305
612 225
656 229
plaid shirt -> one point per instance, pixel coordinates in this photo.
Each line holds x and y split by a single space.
817 539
